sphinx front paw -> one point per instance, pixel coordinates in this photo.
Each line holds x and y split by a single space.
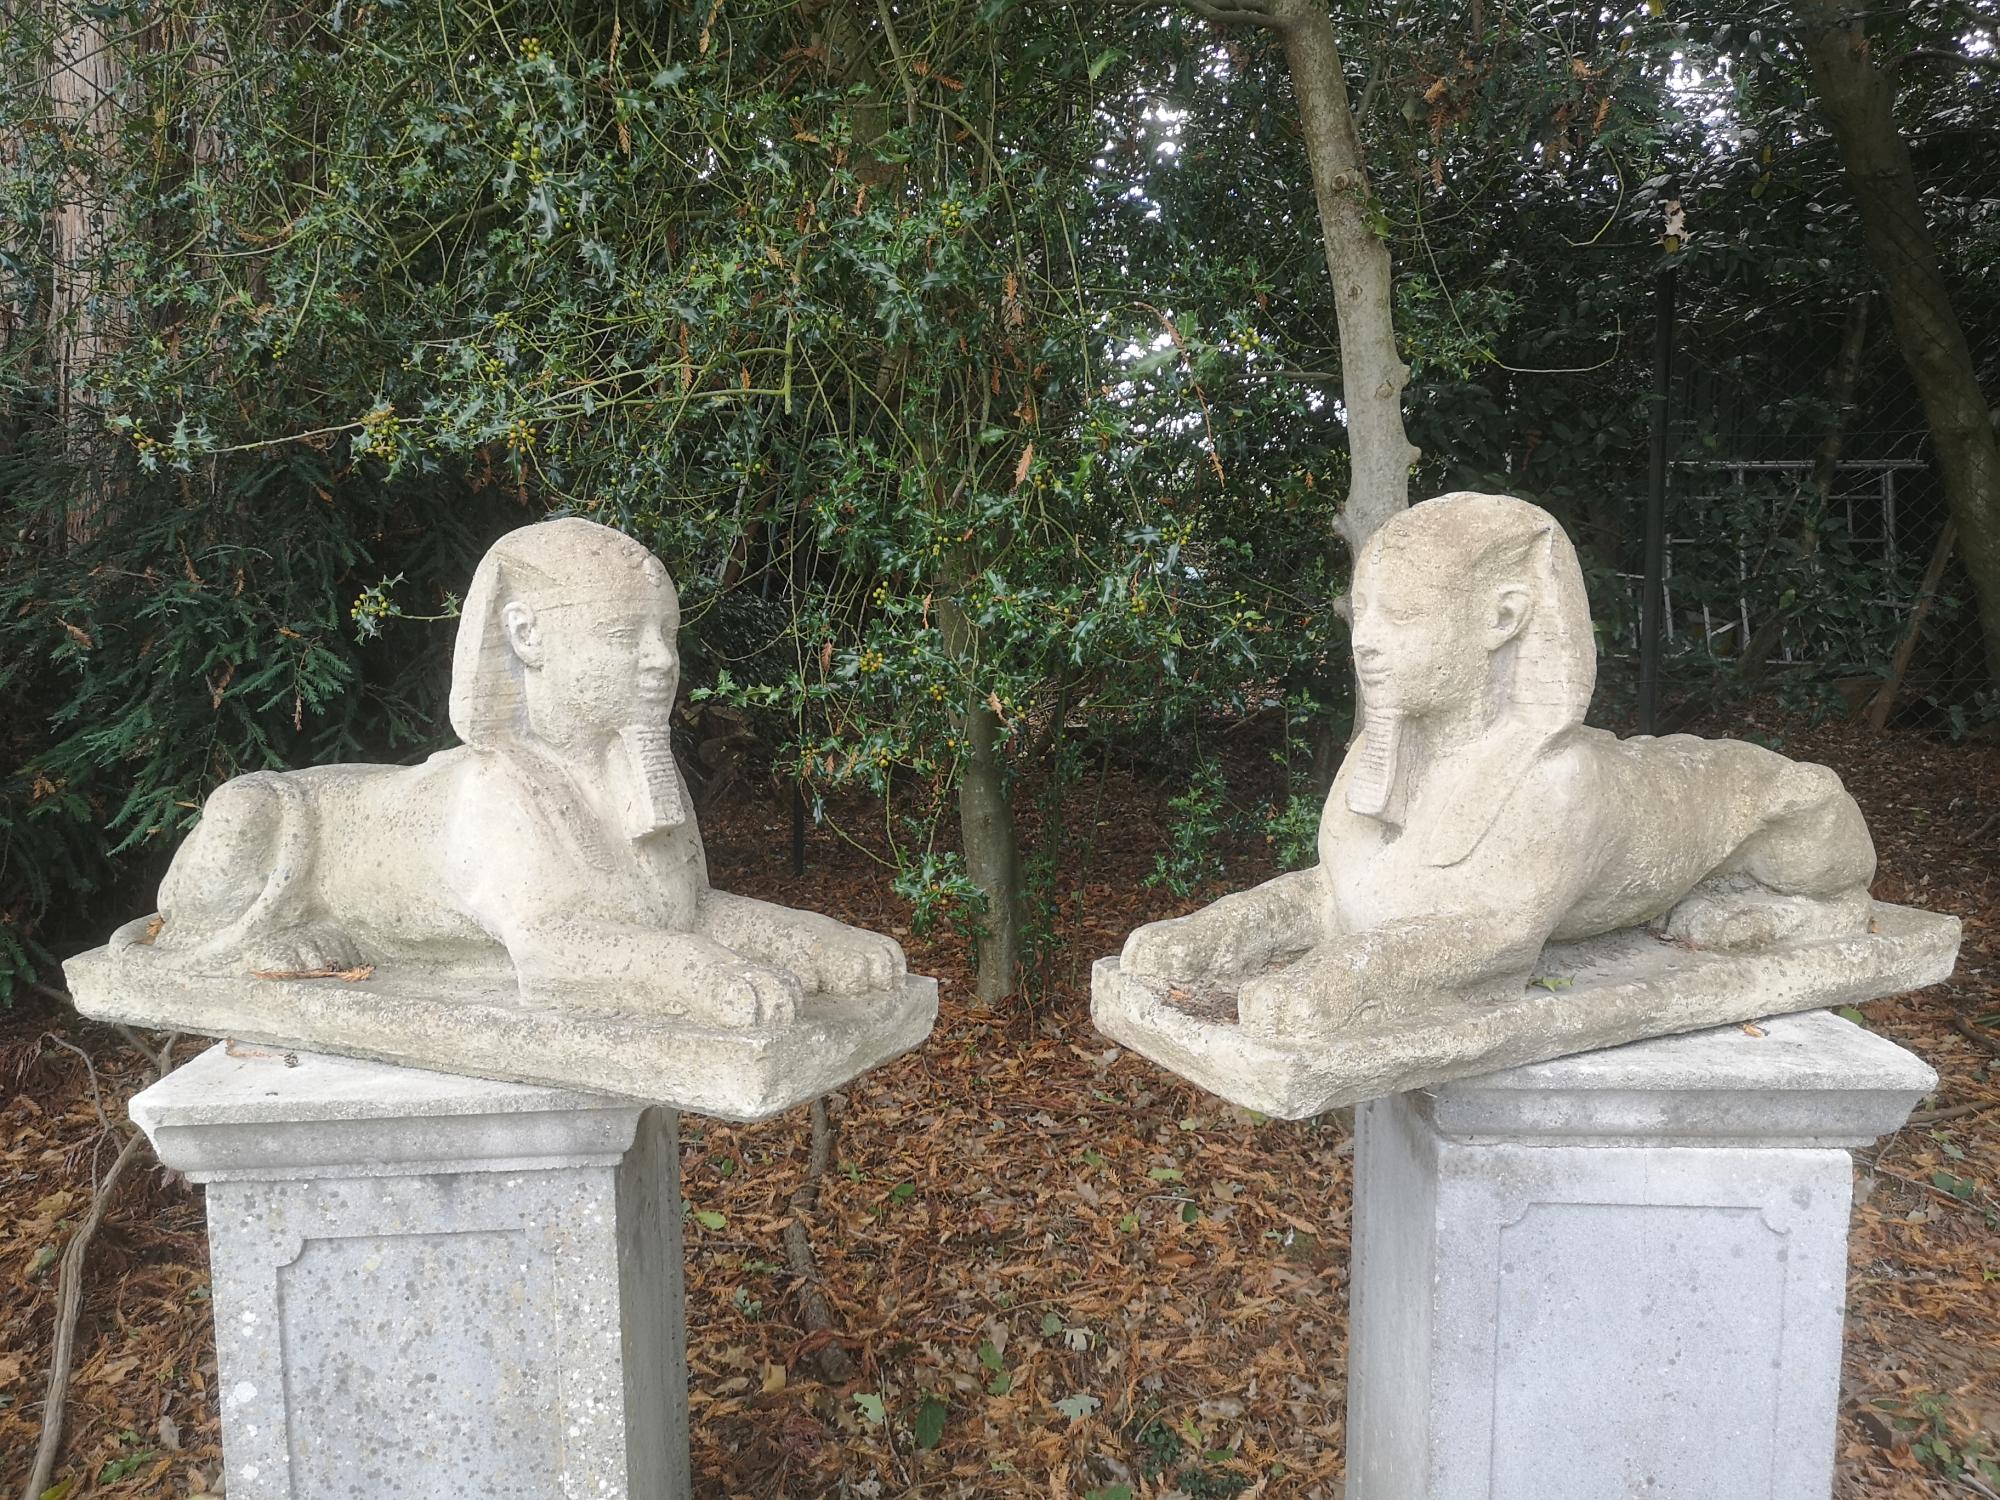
852 961
1164 950
747 995
1310 1000
1267 1007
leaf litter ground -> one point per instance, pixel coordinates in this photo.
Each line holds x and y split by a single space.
1059 1271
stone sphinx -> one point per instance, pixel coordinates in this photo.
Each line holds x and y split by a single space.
1498 883
533 904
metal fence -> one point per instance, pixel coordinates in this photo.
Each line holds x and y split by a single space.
1808 549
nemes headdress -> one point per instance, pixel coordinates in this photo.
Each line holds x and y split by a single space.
548 565
1541 681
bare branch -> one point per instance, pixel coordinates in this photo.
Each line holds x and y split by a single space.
96 1095
69 1281
162 1060
1944 55
814 1309
69 1302
1238 12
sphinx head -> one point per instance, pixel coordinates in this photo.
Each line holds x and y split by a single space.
567 637
1469 613
1473 602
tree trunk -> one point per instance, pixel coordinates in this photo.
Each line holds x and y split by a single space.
844 31
1858 103
985 808
83 85
1372 376
992 854
13 237
986 825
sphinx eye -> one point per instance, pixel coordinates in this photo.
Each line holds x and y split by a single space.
620 635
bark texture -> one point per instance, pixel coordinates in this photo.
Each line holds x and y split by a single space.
814 1309
1372 375
986 826
84 79
1858 100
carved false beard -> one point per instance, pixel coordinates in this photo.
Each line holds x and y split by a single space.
1378 755
656 800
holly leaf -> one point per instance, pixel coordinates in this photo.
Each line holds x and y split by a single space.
930 1422
1077 1407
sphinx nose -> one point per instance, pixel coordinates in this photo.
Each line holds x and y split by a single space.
654 652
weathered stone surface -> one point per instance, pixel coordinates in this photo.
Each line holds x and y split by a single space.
1598 992
434 1286
735 1073
1812 1079
1617 1274
1479 837
532 905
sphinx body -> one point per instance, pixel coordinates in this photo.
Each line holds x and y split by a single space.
1476 818
555 844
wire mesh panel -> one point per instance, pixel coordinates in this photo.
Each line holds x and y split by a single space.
1811 546
1810 549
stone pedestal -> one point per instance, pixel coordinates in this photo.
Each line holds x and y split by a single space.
1620 1274
434 1287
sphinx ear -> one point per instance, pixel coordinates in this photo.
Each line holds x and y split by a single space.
524 633
1511 606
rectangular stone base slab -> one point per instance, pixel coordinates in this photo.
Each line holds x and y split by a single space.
434 1287
1619 1274
1622 987
486 1032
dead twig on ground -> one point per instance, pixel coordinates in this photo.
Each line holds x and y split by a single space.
69 1303
49 991
163 1060
814 1310
1951 1112
69 1281
90 1068
1972 1031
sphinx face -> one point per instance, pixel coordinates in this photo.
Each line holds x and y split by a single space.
1418 641
610 661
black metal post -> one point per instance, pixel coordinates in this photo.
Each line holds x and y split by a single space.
798 827
1653 589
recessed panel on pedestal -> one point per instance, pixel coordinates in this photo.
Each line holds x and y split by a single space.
1693 1295
420 1366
